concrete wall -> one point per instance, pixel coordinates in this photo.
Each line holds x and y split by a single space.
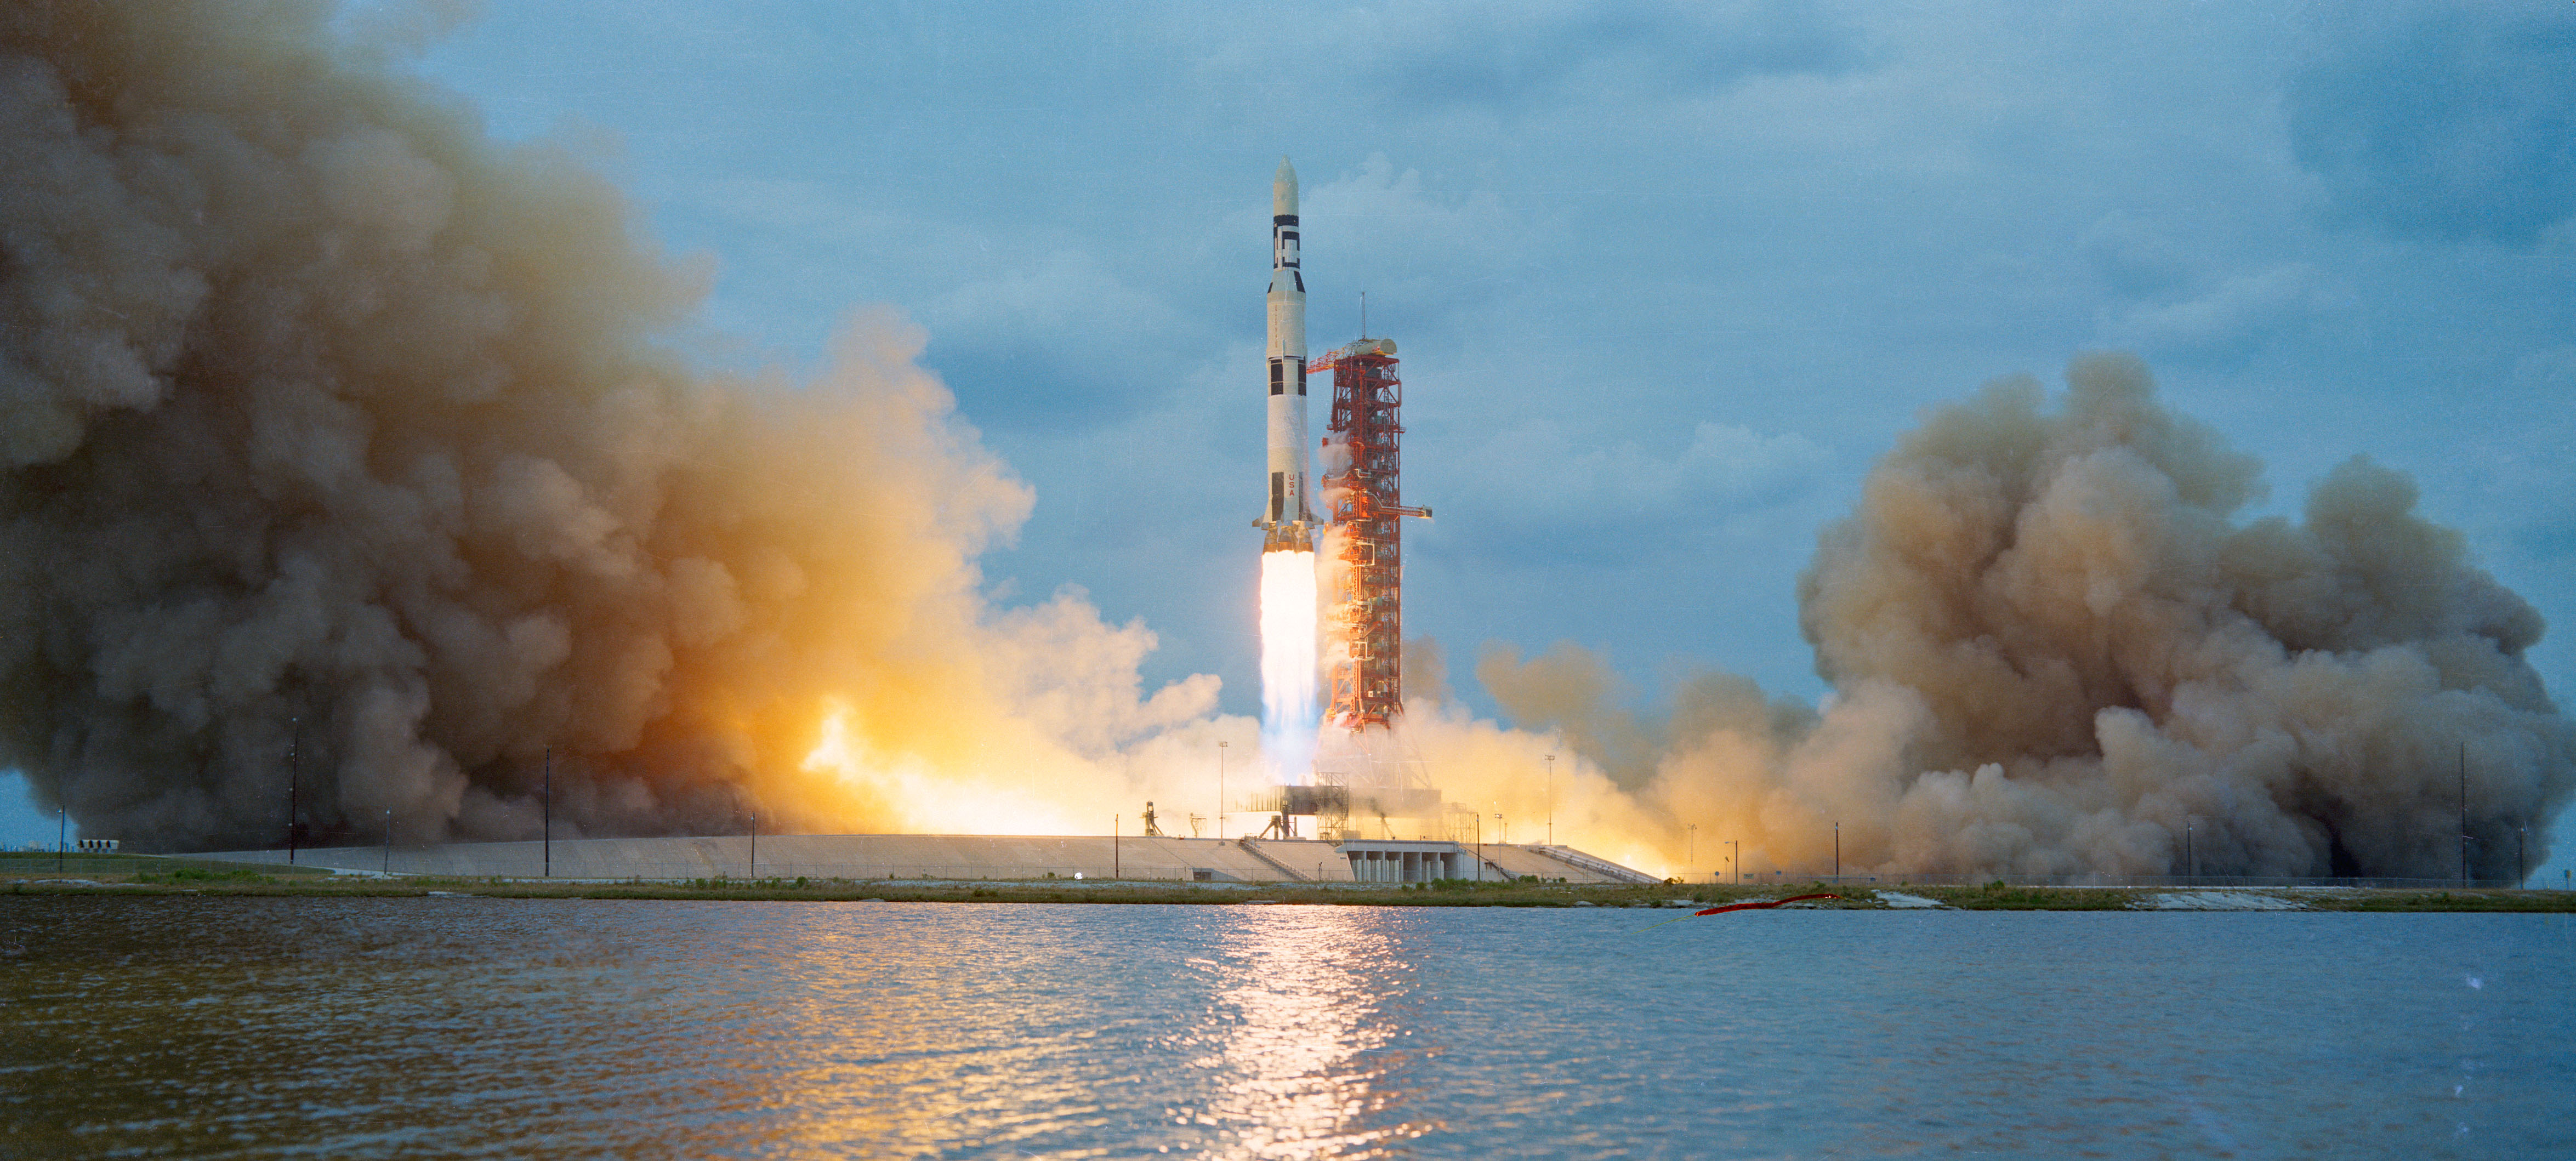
847 857
915 856
1515 861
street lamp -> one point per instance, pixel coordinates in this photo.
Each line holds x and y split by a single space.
750 811
1736 860
1480 848
1551 800
1507 827
1220 792
1692 855
294 734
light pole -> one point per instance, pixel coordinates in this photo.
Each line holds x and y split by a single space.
751 829
1220 792
549 830
1507 827
2190 866
294 734
389 842
1736 860
1838 852
62 836
1551 800
1691 854
1480 848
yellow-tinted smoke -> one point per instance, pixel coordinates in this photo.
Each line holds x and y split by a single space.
333 426
330 427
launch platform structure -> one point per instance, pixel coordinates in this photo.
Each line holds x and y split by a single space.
1364 511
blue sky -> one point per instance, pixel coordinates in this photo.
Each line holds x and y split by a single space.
1666 278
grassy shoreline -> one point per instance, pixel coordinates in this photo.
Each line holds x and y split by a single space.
23 880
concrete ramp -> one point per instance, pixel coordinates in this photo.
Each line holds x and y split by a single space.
902 856
1551 863
948 856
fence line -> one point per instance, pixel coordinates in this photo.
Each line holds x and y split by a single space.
1776 878
433 861
46 864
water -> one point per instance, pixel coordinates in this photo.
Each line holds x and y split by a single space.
516 1028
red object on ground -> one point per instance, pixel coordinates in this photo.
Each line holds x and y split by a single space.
1756 906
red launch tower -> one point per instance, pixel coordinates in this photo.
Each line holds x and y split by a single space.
1364 502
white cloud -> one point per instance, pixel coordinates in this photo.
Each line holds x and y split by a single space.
1388 232
1061 339
1541 481
1066 295
2227 320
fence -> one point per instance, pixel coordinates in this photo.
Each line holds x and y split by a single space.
1775 878
849 872
443 861
574 864
48 863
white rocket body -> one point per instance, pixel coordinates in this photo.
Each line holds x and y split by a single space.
1287 519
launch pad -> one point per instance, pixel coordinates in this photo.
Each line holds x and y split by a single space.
1362 769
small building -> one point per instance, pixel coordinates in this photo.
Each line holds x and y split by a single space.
95 846
1400 861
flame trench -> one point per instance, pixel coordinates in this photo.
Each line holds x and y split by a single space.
1288 663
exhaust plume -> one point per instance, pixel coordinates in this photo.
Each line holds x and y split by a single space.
2054 647
1289 656
326 422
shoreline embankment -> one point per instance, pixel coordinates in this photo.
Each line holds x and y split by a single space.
24 876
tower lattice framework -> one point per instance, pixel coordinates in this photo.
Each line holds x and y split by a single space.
1365 502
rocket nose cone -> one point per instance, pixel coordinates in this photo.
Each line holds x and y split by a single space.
1283 189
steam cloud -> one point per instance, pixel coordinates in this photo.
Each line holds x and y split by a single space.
329 426
2054 648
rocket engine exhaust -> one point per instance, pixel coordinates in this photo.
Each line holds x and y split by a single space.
1288 664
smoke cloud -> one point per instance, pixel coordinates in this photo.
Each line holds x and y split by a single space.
2055 648
339 443
336 443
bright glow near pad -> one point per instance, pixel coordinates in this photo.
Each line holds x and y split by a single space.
1288 664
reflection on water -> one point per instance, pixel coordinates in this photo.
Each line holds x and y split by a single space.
512 1028
1312 1031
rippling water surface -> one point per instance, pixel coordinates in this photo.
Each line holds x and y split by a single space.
518 1028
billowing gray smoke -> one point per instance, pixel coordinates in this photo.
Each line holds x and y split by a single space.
333 433
2056 649
2101 654
328 426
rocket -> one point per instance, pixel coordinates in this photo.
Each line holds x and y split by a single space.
1288 523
